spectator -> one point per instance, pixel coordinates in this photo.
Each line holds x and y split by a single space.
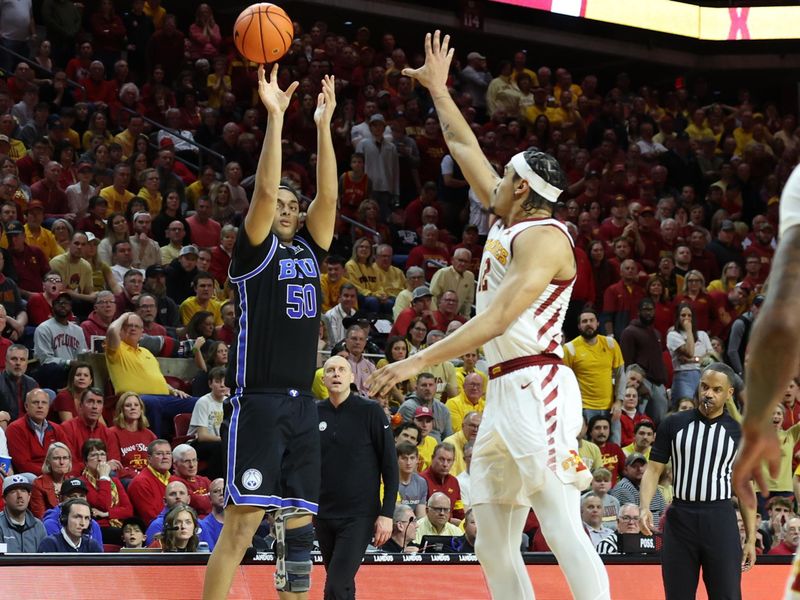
404 530
381 164
613 457
205 231
592 516
87 425
630 416
420 308
105 307
458 278
627 523
106 494
203 286
29 262
702 305
75 271
447 311
437 519
14 383
147 490
21 531
355 342
423 397
184 461
466 433
10 298
50 194
118 194
431 254
413 489
132 283
206 421
57 343
79 379
621 299
175 235
362 272
469 361
687 346
212 524
180 533
122 262
167 313
644 432
222 252
116 231
132 434
146 251
47 486
333 319
601 485
475 80
791 539
627 488
415 277
444 372
641 345
133 528
133 368
31 434
71 538
470 399
71 488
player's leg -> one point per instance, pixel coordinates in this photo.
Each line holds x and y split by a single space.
558 509
352 536
497 548
680 553
294 540
241 523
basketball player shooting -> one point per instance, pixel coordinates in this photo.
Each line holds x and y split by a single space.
526 453
773 358
270 427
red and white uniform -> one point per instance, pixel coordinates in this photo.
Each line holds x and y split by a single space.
533 404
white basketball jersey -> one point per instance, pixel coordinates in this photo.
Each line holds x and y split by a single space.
538 329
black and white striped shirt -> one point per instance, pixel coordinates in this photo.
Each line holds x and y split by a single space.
702 453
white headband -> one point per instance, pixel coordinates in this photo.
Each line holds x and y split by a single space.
550 192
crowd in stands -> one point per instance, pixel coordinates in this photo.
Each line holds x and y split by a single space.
120 199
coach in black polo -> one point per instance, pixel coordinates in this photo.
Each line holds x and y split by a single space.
701 528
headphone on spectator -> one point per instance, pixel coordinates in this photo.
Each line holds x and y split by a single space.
66 508
173 512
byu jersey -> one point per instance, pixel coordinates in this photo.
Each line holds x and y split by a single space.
538 329
278 302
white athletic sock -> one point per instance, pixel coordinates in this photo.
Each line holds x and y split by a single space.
497 547
558 510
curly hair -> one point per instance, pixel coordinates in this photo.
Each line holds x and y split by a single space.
547 167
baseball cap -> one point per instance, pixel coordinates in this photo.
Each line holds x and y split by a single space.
4 138
18 481
423 412
136 522
35 204
155 270
634 457
593 175
475 55
377 117
421 292
727 225
63 295
72 485
91 238
647 209
190 249
14 228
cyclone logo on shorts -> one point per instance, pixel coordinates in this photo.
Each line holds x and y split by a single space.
252 479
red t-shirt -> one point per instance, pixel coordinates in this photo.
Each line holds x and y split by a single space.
204 235
132 450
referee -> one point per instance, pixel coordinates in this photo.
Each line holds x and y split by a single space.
357 453
701 528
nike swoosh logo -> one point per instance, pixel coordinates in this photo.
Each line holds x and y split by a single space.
386 427
526 385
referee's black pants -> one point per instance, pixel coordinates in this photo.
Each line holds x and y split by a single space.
343 543
701 534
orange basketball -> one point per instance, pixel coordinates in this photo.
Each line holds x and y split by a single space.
263 33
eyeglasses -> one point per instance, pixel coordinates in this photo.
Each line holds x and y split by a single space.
628 518
440 509
53 280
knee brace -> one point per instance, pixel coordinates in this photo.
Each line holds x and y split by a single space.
294 559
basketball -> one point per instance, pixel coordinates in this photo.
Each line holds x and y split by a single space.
263 33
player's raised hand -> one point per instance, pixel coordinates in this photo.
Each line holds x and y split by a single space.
382 380
759 444
438 55
275 100
326 101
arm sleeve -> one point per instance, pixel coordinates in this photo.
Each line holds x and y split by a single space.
660 452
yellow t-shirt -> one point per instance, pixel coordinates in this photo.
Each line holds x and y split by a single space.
127 140
86 140
629 449
426 448
593 366
153 202
45 241
135 370
76 276
190 307
591 455
458 440
365 277
194 191
116 202
318 389
460 375
459 406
